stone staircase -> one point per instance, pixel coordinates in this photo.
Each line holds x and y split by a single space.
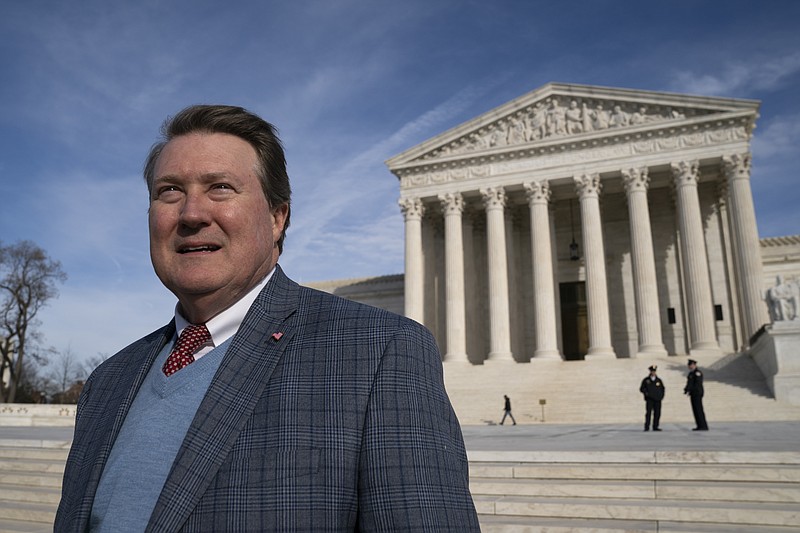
607 492
607 391
533 492
30 484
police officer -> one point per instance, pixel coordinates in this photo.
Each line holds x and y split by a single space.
653 390
694 388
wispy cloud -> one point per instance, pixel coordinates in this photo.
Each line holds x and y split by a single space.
91 220
740 77
431 121
780 137
360 194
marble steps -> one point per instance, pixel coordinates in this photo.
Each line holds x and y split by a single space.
30 479
546 491
29 497
32 452
30 485
637 491
44 513
510 524
707 512
669 490
54 466
29 493
607 391
24 526
743 473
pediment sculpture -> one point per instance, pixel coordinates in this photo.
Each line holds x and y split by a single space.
560 116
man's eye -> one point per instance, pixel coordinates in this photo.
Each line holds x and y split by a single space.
167 192
221 191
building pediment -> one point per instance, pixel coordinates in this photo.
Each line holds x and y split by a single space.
559 117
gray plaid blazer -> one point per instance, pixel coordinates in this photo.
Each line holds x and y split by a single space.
339 423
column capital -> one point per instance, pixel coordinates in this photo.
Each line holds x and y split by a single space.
737 166
411 208
685 172
635 179
452 203
537 192
588 185
494 197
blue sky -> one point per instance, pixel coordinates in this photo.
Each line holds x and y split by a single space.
86 85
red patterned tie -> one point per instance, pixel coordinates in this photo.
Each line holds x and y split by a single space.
192 338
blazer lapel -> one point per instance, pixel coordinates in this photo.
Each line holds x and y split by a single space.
230 400
131 367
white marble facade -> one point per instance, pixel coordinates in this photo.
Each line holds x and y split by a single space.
653 188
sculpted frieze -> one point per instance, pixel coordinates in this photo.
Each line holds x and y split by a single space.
690 140
560 116
572 153
553 160
440 177
694 139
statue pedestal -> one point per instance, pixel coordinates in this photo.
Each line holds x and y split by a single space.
777 354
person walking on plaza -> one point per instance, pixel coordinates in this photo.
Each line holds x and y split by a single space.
507 409
653 390
694 388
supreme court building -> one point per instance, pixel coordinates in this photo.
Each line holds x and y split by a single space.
585 222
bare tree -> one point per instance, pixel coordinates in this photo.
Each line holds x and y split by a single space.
64 371
33 387
28 280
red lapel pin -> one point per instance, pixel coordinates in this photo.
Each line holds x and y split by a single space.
277 335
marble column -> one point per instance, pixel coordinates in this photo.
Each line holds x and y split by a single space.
748 246
588 187
413 209
556 286
453 205
494 200
738 335
699 302
648 317
544 300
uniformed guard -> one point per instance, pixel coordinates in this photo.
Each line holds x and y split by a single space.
694 388
653 390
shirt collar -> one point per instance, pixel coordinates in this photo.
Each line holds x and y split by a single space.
224 325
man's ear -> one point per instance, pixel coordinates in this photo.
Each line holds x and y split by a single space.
279 215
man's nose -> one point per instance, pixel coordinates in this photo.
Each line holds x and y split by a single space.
195 209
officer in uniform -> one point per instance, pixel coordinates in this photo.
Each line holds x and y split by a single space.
653 390
694 388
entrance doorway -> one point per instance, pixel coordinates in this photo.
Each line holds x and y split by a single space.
574 320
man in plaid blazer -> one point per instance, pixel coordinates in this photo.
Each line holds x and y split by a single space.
301 412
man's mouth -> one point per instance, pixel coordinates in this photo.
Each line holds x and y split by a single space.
197 249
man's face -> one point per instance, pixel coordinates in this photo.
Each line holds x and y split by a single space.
212 233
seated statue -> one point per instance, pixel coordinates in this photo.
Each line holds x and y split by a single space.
782 300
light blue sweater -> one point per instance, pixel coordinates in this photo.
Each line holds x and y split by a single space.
149 441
